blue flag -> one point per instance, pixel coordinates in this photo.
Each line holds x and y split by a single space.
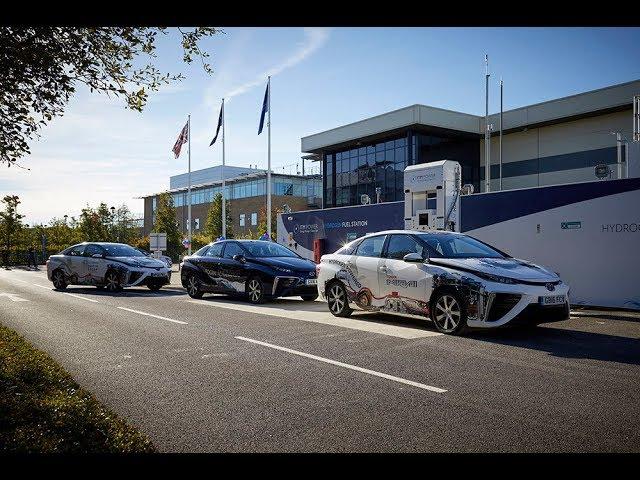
265 108
219 124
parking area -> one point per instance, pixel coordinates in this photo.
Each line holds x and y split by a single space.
218 374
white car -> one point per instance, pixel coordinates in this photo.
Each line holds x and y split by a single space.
106 265
455 280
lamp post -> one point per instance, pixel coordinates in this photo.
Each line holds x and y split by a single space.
113 217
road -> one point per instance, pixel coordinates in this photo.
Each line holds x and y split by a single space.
218 375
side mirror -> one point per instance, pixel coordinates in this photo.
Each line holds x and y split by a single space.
239 258
413 258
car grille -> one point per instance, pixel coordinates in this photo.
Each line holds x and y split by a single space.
535 313
502 304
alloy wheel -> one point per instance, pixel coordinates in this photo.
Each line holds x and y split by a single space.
255 290
336 299
111 282
58 279
192 286
447 313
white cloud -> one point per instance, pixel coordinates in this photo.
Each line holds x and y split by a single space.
314 39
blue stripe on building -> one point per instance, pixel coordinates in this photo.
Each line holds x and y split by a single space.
480 210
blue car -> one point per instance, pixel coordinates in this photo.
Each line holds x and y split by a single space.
254 269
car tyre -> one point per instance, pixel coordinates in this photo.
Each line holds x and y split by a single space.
58 280
338 300
309 298
112 281
449 313
193 287
255 290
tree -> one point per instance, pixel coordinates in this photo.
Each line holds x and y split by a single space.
165 222
42 65
11 219
123 227
95 224
262 223
213 227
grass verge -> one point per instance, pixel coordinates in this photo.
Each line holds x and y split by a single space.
42 409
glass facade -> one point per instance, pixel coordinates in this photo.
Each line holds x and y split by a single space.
298 187
349 173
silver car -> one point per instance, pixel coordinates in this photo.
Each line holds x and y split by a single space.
106 265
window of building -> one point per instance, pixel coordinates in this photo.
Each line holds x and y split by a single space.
242 219
254 218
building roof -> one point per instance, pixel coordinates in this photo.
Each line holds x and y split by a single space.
603 100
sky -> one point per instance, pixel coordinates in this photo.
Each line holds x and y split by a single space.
322 78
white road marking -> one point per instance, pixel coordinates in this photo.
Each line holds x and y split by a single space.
152 315
346 365
21 281
42 286
13 297
81 298
317 312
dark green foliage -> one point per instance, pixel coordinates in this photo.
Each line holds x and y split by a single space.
42 66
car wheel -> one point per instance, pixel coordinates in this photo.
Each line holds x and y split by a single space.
193 287
255 290
338 301
59 282
112 281
309 298
448 313
154 287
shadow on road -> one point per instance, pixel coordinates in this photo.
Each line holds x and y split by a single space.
124 293
565 343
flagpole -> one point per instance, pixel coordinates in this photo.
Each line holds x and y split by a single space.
224 208
189 207
269 159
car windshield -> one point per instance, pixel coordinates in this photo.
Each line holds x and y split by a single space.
262 248
120 250
458 246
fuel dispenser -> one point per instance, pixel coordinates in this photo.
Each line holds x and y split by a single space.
432 196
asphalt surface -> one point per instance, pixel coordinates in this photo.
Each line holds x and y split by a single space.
299 380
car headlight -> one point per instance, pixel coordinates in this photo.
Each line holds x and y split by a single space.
282 269
496 278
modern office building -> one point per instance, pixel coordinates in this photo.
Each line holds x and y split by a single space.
554 142
245 192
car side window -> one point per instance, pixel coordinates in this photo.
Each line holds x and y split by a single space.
215 250
231 249
401 245
76 251
91 250
371 247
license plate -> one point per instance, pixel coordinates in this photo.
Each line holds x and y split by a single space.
552 300
158 274
312 281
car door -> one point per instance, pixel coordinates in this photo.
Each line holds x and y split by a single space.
73 263
365 264
233 273
210 264
406 286
92 267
